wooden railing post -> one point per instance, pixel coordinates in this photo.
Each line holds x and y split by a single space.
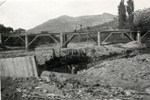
61 40
73 70
99 38
138 36
26 41
0 38
65 39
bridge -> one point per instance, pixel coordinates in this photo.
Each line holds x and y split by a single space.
63 39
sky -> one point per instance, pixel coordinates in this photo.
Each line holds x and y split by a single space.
30 13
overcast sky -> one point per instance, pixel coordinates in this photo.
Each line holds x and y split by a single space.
30 13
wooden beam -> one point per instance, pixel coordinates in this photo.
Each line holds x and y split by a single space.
129 36
145 34
21 38
7 38
91 38
107 37
54 38
70 39
75 33
33 40
64 40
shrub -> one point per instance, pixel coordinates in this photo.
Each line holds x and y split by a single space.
142 19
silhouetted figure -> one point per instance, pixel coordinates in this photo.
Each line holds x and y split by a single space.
88 28
80 27
75 29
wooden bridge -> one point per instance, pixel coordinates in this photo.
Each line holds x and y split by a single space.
63 39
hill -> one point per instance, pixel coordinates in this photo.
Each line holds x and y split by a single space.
67 23
112 25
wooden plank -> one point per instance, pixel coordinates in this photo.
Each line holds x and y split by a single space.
18 68
15 67
21 66
1 68
5 68
24 66
69 33
11 67
29 67
34 66
6 63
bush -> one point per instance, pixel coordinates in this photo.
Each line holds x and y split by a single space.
142 19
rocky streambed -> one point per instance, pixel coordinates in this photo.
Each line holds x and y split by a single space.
113 72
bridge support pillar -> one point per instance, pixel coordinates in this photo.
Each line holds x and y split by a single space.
99 38
138 36
63 38
0 38
26 41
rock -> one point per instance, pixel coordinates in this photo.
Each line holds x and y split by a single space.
127 93
46 76
147 90
69 85
18 90
44 91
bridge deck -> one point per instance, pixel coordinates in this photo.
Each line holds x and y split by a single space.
61 38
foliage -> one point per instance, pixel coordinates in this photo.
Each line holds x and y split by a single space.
130 11
4 29
142 19
122 15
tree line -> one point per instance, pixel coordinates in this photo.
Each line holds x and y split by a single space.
4 29
130 19
126 14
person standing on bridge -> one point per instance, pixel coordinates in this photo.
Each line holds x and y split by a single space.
87 28
75 29
80 27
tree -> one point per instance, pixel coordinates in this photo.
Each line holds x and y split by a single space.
122 15
130 11
4 29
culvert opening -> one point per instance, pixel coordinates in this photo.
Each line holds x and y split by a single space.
73 60
69 61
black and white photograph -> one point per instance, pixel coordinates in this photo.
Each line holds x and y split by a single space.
75 49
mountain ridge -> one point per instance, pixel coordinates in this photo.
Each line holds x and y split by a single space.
67 23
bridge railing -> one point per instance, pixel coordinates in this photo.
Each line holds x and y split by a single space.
63 39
